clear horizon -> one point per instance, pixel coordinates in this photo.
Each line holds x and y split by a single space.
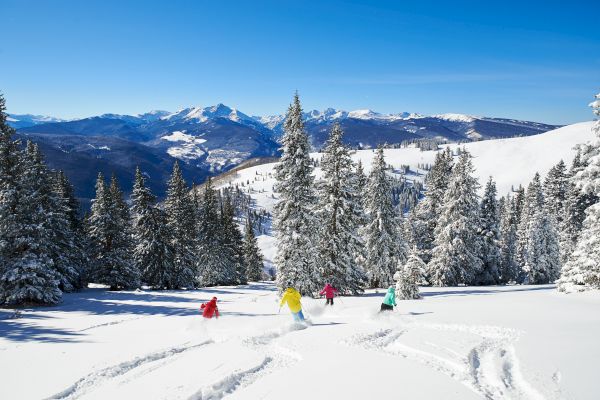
67 59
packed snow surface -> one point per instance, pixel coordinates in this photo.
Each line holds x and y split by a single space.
512 342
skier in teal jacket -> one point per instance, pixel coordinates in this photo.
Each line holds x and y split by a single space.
389 301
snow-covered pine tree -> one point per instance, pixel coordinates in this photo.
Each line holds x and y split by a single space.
519 204
408 276
556 187
73 245
110 238
51 212
542 262
457 252
490 237
232 244
385 248
424 217
213 268
27 272
360 181
181 225
582 271
538 252
577 202
295 221
340 214
10 165
361 177
253 258
556 192
533 201
509 268
153 253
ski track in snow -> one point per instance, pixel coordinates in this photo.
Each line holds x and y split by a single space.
491 368
108 324
277 357
232 382
96 378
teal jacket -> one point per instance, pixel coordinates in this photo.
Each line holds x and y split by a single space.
390 297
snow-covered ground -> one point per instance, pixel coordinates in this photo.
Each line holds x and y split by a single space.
514 342
511 162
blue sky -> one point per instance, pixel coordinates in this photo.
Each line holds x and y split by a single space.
529 60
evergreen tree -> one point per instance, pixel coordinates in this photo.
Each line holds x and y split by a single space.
533 202
295 222
490 237
582 271
48 214
538 252
409 276
556 187
385 248
340 214
181 226
110 237
28 274
361 178
70 238
456 256
578 200
519 204
509 268
232 243
424 217
213 267
153 253
556 197
542 262
10 172
253 258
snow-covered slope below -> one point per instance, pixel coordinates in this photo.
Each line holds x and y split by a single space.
511 162
512 342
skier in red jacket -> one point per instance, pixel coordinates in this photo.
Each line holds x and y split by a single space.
329 292
210 308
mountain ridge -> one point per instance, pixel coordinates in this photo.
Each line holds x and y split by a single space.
214 139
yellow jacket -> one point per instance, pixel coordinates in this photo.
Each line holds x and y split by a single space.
292 298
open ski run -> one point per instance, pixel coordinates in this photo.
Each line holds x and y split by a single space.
512 342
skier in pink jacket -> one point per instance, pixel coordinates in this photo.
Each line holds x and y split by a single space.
329 292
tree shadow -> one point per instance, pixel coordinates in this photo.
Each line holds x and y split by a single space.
262 286
24 329
100 301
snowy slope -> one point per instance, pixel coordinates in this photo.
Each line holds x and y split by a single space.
464 343
512 162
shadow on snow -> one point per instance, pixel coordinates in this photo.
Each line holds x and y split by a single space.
98 301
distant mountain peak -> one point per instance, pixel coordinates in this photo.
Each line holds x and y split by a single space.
204 114
456 117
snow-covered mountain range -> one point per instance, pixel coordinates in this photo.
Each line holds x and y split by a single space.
210 140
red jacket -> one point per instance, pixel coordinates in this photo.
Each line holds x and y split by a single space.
210 308
329 291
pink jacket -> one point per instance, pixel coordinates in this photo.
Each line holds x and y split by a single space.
329 291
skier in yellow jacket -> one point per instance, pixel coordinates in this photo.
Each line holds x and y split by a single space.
292 297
